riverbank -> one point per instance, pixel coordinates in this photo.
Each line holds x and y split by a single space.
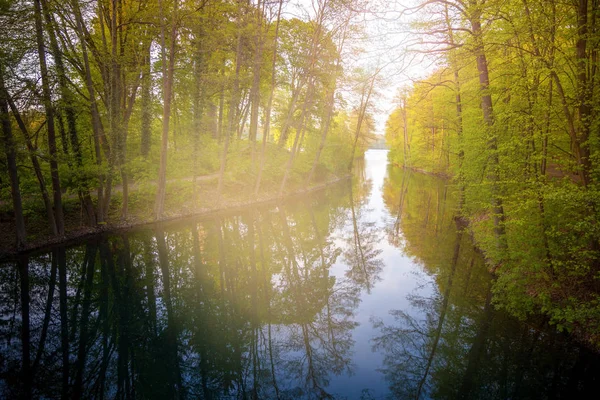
422 171
358 270
537 272
182 197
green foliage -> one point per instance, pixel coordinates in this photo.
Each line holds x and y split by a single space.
109 100
534 153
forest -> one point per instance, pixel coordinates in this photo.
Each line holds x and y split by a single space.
510 114
116 113
130 111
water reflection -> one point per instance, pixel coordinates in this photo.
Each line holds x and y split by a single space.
362 251
454 344
239 306
274 303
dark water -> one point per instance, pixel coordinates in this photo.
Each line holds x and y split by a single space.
366 291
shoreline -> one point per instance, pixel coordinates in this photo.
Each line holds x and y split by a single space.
87 232
422 171
580 332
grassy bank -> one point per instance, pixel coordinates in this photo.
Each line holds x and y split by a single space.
185 195
185 199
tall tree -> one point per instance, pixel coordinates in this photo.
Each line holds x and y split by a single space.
67 104
234 100
11 158
97 129
49 108
267 126
365 97
167 73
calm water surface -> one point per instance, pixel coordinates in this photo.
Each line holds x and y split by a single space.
366 291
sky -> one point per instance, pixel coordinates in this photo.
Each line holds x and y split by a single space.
386 47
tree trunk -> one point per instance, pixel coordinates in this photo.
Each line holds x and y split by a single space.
11 160
297 140
47 99
255 91
459 118
492 141
406 144
308 78
584 93
128 102
33 157
167 95
285 129
267 127
115 104
324 131
231 116
362 111
198 102
219 133
242 114
67 105
330 105
101 213
146 105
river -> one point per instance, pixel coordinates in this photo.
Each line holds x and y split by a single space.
364 291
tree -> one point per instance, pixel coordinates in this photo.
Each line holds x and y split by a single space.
520 153
167 73
11 158
49 108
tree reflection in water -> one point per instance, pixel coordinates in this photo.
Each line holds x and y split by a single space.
454 344
240 306
264 304
362 254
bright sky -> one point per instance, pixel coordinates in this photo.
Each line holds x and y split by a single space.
385 48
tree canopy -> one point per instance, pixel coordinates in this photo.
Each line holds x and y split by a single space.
511 113
112 108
